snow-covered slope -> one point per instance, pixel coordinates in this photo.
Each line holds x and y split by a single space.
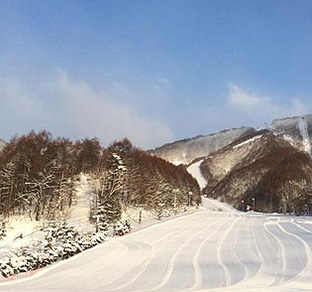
216 205
210 251
79 214
194 170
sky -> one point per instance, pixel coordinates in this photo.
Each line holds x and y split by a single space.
152 71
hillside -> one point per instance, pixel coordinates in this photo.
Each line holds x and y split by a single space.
79 193
297 130
261 166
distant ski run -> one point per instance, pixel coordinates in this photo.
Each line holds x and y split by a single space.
303 127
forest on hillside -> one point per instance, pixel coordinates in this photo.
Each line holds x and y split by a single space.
37 175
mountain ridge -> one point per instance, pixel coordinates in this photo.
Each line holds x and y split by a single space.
295 130
186 150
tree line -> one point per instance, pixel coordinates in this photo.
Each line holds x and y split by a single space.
37 175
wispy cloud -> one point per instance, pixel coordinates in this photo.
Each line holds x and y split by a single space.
77 110
93 113
19 111
250 102
243 107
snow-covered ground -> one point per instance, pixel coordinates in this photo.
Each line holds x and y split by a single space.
213 251
194 170
20 231
217 248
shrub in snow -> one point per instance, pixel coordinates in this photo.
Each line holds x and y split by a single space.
122 227
60 242
2 230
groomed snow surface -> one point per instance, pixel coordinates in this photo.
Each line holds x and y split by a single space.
207 250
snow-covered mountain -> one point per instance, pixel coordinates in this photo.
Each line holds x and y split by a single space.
185 151
296 130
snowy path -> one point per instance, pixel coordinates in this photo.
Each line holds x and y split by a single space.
213 251
80 212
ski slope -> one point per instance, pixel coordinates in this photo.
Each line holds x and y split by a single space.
207 250
194 170
79 214
303 127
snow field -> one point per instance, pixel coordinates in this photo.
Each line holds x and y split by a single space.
209 250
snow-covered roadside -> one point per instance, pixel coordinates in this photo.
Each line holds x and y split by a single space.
149 218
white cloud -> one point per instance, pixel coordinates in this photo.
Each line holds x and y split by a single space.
72 108
241 107
93 113
262 106
239 98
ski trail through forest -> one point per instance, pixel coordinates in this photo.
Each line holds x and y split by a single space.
303 127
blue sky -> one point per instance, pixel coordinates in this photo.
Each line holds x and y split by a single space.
153 71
